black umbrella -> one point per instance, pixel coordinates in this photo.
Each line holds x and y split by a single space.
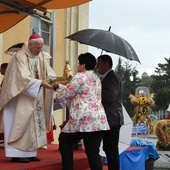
106 41
16 47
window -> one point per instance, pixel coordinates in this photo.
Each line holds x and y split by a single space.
42 27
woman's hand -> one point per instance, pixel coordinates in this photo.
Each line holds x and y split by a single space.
55 85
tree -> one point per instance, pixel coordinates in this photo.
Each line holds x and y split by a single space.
161 85
126 72
146 80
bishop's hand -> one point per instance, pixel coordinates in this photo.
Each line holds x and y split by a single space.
45 83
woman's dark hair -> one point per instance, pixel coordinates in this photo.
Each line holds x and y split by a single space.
4 65
88 59
106 59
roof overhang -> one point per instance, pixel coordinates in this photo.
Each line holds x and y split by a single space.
13 11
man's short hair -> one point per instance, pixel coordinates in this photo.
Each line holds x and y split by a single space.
106 59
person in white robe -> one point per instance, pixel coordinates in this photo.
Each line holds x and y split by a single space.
2 71
26 102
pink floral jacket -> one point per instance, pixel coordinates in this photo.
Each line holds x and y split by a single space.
83 96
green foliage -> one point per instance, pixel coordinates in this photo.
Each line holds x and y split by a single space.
146 80
126 72
163 146
161 85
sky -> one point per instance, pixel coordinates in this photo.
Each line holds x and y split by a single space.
145 24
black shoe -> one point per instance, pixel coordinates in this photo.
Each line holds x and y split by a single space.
20 160
34 159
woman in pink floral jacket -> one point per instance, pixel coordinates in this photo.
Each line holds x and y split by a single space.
87 118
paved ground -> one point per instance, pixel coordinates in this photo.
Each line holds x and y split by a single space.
163 163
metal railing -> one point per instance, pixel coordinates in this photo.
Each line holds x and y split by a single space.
161 114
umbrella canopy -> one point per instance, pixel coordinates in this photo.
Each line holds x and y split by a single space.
13 11
125 134
106 41
16 47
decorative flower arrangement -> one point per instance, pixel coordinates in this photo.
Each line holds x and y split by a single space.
162 130
142 101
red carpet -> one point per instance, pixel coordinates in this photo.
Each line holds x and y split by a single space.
50 160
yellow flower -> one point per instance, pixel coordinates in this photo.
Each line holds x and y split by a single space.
142 100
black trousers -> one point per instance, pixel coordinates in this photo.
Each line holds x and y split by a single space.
110 147
91 141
